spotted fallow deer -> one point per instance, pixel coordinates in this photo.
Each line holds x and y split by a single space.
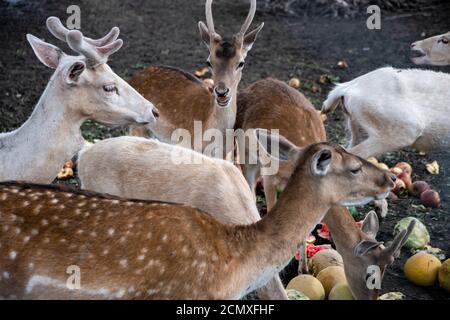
289 111
147 169
135 249
182 99
82 87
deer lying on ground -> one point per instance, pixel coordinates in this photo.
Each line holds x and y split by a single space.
146 169
182 99
289 111
360 250
82 87
153 250
433 51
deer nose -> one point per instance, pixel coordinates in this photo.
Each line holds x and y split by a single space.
413 44
221 92
155 112
391 177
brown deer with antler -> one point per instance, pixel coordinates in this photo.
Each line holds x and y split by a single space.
182 99
153 250
82 87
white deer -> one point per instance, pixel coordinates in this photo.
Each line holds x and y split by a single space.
390 109
81 88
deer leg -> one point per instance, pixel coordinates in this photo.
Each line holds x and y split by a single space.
273 290
372 147
270 191
250 172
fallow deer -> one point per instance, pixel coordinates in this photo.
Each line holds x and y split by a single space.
375 104
361 251
152 250
147 169
390 109
432 51
82 87
289 111
183 99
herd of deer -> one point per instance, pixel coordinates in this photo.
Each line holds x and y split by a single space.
196 233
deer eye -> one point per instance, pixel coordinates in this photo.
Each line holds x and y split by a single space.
356 171
444 41
110 88
241 65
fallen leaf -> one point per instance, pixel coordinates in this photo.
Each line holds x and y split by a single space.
65 173
433 167
201 72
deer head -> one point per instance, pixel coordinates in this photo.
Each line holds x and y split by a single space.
369 252
91 89
227 56
332 166
433 51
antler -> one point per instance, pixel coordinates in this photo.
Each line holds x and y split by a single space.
96 51
249 19
209 17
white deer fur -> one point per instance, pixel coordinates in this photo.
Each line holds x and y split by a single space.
76 92
389 109
139 168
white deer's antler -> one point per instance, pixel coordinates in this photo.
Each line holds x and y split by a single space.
96 51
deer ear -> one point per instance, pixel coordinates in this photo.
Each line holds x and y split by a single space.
47 53
321 162
399 241
362 248
250 38
204 33
277 146
74 71
371 225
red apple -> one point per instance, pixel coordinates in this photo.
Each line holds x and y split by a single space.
406 167
406 177
418 188
399 187
430 198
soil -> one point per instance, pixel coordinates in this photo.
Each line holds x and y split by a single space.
303 45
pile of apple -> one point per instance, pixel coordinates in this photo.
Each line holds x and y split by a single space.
404 184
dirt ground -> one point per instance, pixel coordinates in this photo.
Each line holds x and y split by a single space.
298 45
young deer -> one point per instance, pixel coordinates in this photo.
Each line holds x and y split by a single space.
152 250
146 169
295 117
82 87
360 250
433 51
183 99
